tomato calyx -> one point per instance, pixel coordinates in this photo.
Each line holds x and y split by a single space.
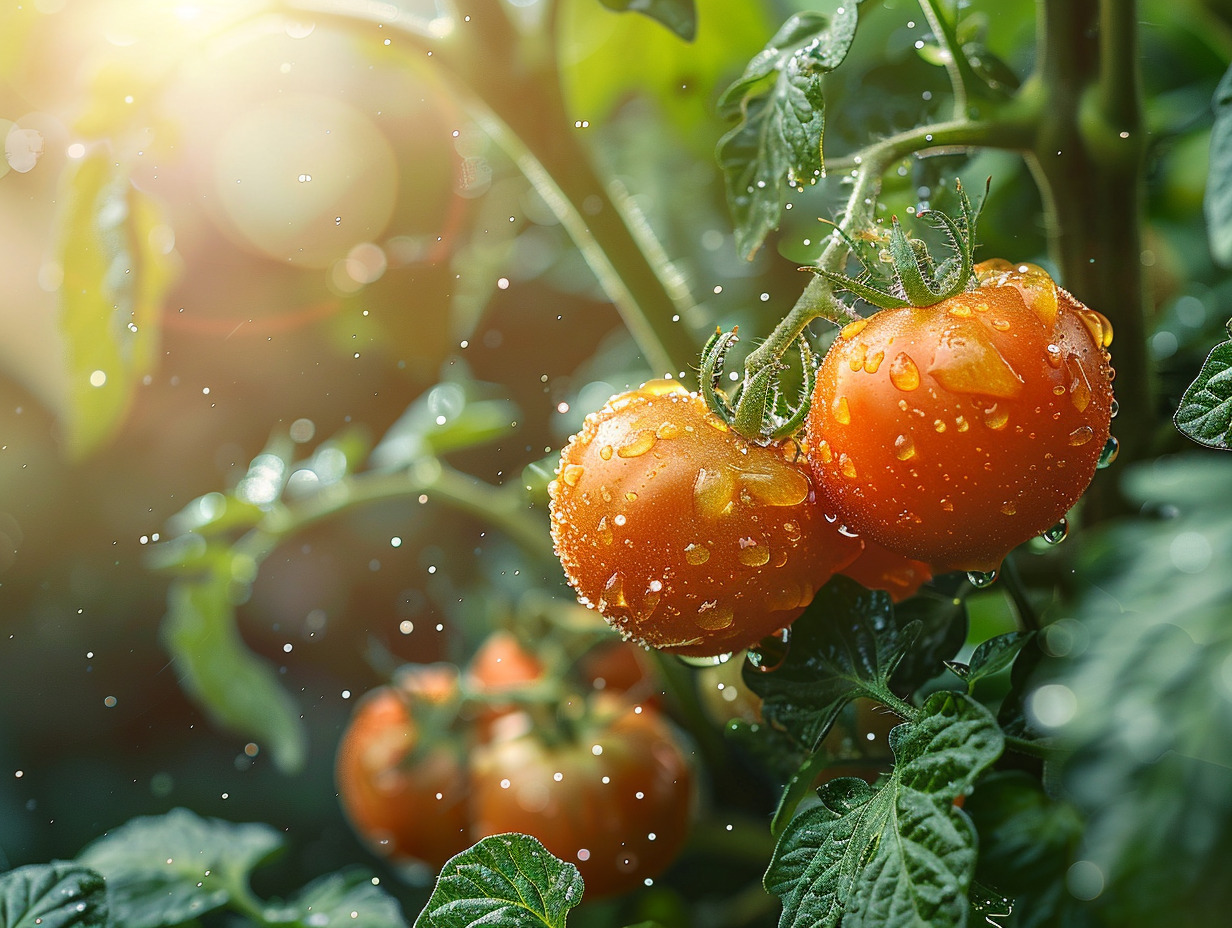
916 278
757 408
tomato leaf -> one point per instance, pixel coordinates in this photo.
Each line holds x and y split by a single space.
236 688
899 854
942 615
169 869
61 894
506 881
115 277
995 655
1217 203
680 16
781 111
1205 411
349 897
846 644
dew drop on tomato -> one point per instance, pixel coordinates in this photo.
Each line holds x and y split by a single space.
1112 448
1057 533
982 579
769 654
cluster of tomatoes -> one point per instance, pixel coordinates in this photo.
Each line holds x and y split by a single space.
584 760
938 438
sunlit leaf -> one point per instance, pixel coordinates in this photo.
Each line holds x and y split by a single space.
116 273
846 644
899 854
680 16
1218 199
350 897
236 688
505 881
1205 412
779 103
61 894
174 868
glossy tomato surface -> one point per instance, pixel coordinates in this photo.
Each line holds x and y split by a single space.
405 797
878 568
681 533
616 800
952 433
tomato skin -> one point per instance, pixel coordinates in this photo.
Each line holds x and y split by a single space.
388 779
878 568
603 828
681 533
952 433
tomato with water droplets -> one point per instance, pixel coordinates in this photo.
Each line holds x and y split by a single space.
614 796
980 425
683 534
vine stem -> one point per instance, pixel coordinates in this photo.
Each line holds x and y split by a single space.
956 64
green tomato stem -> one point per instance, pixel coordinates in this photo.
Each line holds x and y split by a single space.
956 64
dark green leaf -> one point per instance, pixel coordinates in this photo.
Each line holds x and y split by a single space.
942 616
504 881
680 16
61 894
1205 413
781 110
1218 200
169 869
900 854
349 897
995 655
236 688
846 644
114 281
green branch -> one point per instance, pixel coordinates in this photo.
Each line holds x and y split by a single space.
956 64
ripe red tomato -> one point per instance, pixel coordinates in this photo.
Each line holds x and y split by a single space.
405 795
616 799
952 433
879 568
681 533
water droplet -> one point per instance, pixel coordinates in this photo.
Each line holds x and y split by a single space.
769 654
903 372
938 425
631 497
856 359
713 617
1056 534
572 474
605 531
904 448
981 579
847 468
613 593
960 310
1081 435
962 424
1009 509
852 329
841 411
638 445
1116 408
996 418
1112 448
785 488
714 492
873 361
1001 325
1058 390
752 553
606 452
824 452
668 430
1053 354
947 505
696 554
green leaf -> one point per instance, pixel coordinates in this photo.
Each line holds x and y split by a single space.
1217 203
846 644
680 16
236 688
350 897
900 854
942 618
781 110
115 278
995 655
1205 412
504 881
169 869
61 894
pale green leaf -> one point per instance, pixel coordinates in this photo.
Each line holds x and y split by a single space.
60 894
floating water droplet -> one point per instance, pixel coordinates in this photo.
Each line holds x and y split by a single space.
1112 448
769 654
841 411
981 579
1081 435
1057 533
903 372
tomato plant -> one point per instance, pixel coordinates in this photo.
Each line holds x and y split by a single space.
952 432
683 534
614 797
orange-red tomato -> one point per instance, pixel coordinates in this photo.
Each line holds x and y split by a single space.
616 799
681 533
405 797
878 568
951 433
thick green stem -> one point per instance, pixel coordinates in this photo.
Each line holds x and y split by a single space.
1088 159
